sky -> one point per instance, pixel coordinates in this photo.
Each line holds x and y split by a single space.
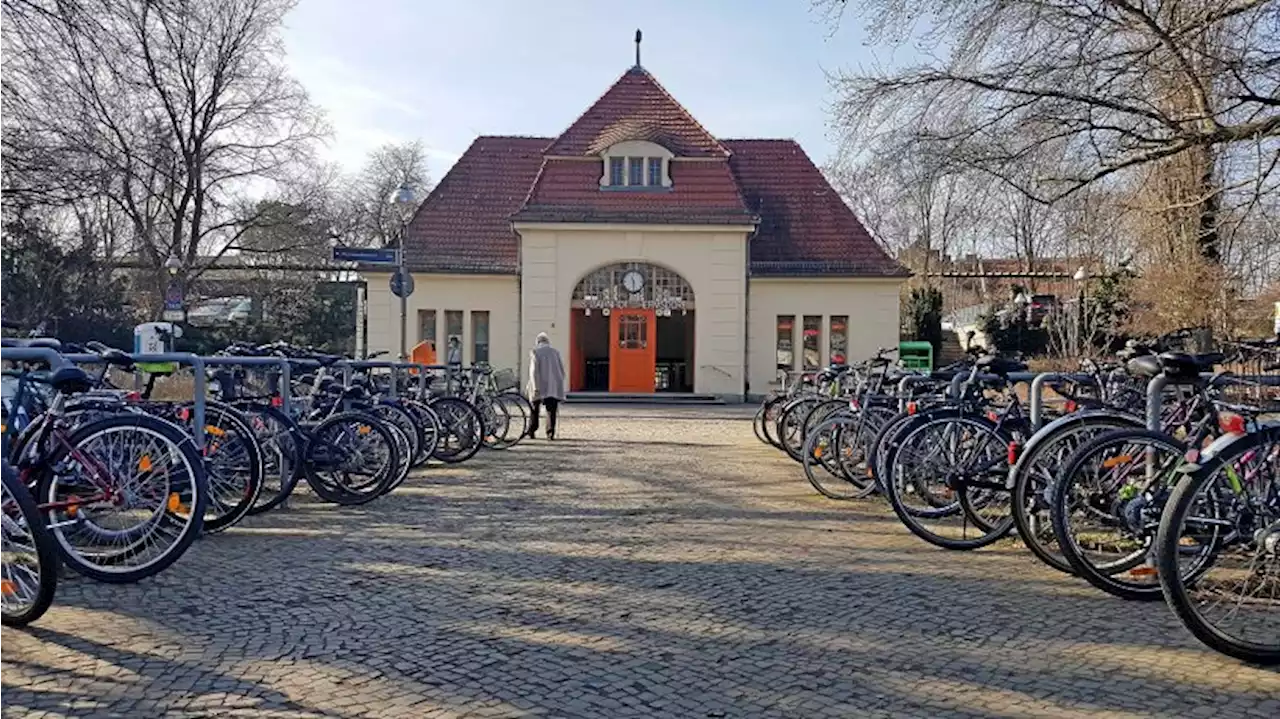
448 71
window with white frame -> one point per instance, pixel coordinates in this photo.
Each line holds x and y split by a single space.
636 165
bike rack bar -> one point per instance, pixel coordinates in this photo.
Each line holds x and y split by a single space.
1037 391
349 367
197 369
53 358
905 384
282 363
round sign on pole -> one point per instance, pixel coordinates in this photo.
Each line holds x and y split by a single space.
402 282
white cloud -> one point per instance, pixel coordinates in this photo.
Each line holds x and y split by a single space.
362 115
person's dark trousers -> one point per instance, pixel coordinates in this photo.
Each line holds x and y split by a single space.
553 408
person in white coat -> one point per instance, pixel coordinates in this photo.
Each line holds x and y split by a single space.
546 383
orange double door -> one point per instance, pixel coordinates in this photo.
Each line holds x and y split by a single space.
633 350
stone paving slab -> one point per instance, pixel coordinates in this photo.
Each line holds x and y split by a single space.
651 563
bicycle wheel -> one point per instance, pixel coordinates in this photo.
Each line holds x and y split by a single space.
791 426
1230 504
946 482
124 498
520 410
496 421
351 458
1106 508
30 567
281 448
461 430
886 443
769 423
395 413
428 425
403 430
233 465
1034 475
825 451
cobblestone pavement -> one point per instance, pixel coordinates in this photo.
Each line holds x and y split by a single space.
652 563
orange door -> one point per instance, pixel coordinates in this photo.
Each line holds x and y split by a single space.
633 350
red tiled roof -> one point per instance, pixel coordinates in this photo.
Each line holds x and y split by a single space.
805 227
702 192
464 225
802 226
638 102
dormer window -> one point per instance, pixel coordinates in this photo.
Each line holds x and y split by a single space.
636 165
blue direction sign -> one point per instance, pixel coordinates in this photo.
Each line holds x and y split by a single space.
367 255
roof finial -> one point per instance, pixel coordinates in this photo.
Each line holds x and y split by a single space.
638 36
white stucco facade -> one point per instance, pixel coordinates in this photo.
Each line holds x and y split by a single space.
871 306
554 258
736 317
498 295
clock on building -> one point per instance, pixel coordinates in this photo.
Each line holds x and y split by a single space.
633 281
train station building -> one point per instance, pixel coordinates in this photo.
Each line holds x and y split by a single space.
657 257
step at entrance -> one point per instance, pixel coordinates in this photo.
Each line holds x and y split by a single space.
667 398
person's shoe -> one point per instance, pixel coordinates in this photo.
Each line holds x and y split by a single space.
551 435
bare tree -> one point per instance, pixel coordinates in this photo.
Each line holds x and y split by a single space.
370 217
179 112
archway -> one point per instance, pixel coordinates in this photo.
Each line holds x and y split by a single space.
632 330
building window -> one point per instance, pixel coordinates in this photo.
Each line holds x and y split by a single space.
427 327
635 171
838 339
812 334
453 336
479 337
617 171
655 172
786 346
633 332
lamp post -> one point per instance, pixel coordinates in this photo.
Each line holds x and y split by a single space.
174 300
1082 279
402 201
1022 301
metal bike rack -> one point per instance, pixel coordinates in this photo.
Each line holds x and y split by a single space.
197 367
279 362
1037 391
350 366
53 358
905 384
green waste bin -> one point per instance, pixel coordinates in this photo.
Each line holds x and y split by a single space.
916 355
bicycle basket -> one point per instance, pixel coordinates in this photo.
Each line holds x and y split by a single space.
505 380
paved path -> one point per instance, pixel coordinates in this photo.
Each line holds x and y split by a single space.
664 564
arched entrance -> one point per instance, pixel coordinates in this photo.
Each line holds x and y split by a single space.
632 330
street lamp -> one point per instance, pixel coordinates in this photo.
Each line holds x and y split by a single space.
173 265
1024 313
402 201
1082 279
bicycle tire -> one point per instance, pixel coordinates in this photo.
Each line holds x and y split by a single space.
322 452
1110 577
1176 590
22 517
186 496
461 427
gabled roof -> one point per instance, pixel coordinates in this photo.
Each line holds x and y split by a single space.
805 226
637 101
801 225
464 225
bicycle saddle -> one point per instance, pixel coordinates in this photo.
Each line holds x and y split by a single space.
1146 366
1180 365
1000 365
110 355
70 379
